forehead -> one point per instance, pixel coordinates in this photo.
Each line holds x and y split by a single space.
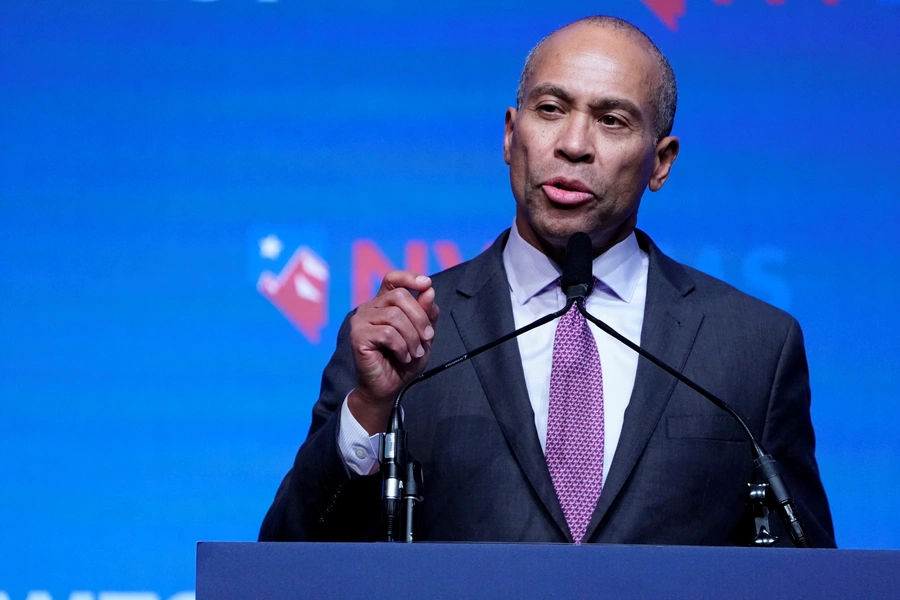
596 61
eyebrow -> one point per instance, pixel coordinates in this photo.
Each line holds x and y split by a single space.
622 103
549 89
604 103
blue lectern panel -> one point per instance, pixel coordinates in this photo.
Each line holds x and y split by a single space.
281 571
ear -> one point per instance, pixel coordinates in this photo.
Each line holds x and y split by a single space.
508 129
666 152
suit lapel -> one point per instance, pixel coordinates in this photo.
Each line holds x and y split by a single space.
669 329
483 315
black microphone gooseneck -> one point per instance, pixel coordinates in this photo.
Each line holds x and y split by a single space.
399 471
766 466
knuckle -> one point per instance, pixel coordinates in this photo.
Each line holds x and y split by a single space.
390 337
392 278
398 294
393 315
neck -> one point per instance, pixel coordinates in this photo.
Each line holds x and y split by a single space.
555 250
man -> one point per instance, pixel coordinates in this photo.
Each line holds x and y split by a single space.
559 437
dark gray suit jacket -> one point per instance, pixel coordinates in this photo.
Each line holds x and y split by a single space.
680 471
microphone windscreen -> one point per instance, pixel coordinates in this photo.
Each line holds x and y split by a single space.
578 265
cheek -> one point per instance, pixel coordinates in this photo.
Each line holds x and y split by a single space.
649 164
520 164
637 166
518 171
531 142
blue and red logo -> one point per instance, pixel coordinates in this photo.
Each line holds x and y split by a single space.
300 290
290 269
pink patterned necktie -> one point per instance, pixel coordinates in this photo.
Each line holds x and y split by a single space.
575 425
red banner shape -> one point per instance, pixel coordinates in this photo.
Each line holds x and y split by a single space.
300 292
668 11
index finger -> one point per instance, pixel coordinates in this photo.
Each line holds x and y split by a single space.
404 279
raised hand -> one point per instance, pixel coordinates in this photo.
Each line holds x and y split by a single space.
391 337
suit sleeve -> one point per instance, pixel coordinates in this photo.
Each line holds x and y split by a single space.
788 436
319 500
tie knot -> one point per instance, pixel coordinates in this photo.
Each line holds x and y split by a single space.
573 318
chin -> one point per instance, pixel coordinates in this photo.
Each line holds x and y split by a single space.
561 230
553 226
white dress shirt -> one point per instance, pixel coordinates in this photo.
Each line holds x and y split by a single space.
534 289
618 300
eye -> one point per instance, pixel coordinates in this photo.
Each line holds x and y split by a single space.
611 121
549 109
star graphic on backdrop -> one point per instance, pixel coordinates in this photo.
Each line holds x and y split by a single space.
270 247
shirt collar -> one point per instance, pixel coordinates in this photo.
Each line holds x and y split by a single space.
530 272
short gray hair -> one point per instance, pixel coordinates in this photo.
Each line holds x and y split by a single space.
664 100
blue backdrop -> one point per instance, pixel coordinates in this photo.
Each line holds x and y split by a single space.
194 193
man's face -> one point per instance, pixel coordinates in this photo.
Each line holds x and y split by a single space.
581 148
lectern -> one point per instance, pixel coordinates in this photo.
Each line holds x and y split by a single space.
282 571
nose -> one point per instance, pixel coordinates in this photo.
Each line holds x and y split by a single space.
574 143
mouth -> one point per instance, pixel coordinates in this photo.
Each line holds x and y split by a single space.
568 192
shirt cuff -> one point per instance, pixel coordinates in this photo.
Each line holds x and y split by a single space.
358 449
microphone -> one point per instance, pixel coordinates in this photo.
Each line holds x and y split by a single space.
577 282
577 278
402 477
